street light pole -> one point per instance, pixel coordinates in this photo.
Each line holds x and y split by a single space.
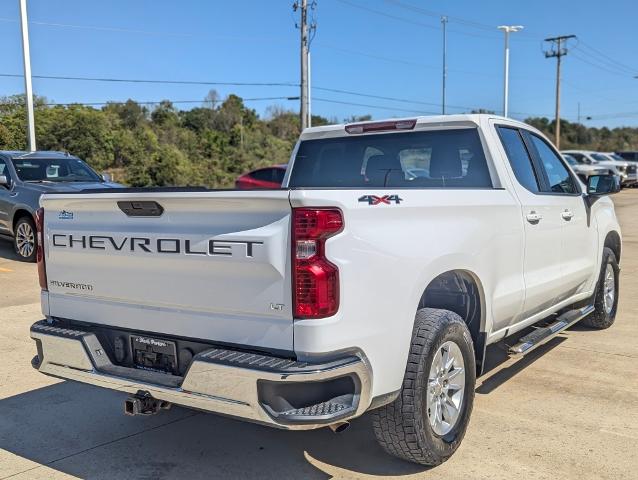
507 29
444 23
28 87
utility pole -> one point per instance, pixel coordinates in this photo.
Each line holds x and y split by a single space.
305 50
578 112
558 50
507 29
28 87
444 23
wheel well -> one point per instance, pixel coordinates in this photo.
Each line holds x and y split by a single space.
612 241
20 214
459 291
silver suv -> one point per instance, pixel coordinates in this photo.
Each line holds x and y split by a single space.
24 176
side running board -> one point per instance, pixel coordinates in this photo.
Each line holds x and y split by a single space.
541 335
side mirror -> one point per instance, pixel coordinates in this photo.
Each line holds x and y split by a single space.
598 185
107 177
4 181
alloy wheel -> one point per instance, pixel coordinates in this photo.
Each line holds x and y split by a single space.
446 387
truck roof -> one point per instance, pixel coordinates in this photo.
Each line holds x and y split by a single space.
442 120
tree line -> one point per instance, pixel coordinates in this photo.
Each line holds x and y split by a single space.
208 145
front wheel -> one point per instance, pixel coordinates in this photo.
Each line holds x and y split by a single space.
25 239
428 420
606 299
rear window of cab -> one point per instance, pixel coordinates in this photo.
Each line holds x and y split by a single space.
451 158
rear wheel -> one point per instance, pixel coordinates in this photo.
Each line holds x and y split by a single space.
25 239
427 422
606 299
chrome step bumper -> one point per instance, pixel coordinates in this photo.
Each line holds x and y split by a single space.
223 381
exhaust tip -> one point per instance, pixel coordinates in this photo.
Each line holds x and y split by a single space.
339 427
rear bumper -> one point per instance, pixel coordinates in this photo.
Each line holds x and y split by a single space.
270 390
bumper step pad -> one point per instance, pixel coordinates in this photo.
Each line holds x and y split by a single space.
323 408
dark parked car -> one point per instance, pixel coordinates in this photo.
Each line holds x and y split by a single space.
24 176
269 177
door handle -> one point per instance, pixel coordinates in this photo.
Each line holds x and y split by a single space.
567 215
533 217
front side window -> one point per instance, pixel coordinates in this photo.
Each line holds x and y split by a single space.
558 176
519 158
54 170
450 158
600 157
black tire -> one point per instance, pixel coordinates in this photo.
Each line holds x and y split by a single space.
402 427
603 317
25 224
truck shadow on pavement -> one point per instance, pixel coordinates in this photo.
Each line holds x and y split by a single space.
6 250
497 356
81 430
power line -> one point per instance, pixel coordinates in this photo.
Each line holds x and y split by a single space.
596 63
388 15
168 82
606 58
381 97
100 28
383 107
189 82
155 102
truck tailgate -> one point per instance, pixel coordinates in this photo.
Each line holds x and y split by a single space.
212 266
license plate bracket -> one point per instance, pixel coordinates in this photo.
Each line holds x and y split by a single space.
154 354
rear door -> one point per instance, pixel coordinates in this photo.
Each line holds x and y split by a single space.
204 265
543 223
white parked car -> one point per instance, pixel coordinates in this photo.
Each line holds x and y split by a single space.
583 170
374 280
624 169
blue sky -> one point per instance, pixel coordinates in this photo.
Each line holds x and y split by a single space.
375 47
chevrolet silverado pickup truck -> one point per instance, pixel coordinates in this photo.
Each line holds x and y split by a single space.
373 280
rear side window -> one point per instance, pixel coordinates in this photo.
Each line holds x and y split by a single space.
519 158
452 158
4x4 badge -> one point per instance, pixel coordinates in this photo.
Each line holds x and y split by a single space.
377 200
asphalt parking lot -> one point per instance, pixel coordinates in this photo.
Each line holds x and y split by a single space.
568 410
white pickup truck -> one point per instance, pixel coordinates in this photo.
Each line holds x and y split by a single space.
374 280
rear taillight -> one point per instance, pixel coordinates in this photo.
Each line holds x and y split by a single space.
39 255
315 279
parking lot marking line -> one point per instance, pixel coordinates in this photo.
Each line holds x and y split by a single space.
5 270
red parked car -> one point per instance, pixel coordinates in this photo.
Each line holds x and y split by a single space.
269 177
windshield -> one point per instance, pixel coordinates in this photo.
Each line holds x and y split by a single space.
599 157
67 169
571 160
